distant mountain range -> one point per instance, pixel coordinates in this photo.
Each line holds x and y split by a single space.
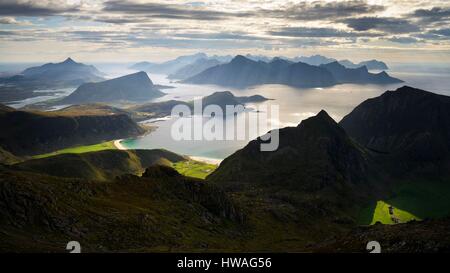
67 71
320 60
370 65
168 67
133 87
196 67
51 75
243 72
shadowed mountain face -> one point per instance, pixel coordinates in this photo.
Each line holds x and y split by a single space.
190 70
243 72
317 178
133 87
29 133
315 155
408 124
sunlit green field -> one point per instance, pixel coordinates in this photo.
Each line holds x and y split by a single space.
411 201
194 168
109 145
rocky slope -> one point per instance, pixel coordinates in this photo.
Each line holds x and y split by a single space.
160 211
409 125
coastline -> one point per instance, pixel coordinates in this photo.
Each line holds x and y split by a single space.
207 160
118 145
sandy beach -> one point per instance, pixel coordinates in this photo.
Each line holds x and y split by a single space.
206 160
118 145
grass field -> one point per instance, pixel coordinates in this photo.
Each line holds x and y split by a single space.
415 200
193 168
109 145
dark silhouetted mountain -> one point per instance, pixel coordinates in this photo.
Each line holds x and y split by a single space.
243 72
318 176
196 67
371 65
133 87
69 72
314 60
317 154
358 75
168 67
30 133
410 125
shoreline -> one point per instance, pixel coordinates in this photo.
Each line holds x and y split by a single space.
207 160
118 145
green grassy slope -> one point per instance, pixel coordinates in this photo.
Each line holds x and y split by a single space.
193 168
411 201
109 145
100 165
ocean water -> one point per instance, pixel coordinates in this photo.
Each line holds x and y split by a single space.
294 105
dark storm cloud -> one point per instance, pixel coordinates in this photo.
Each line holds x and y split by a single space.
323 11
318 33
29 8
167 11
432 15
385 24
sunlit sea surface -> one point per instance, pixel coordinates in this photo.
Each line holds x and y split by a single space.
294 105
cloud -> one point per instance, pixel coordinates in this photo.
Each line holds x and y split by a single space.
221 36
12 21
319 10
434 14
442 32
318 32
35 8
385 24
166 11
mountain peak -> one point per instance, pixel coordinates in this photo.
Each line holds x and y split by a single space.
239 59
322 118
69 61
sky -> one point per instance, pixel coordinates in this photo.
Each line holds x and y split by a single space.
406 31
